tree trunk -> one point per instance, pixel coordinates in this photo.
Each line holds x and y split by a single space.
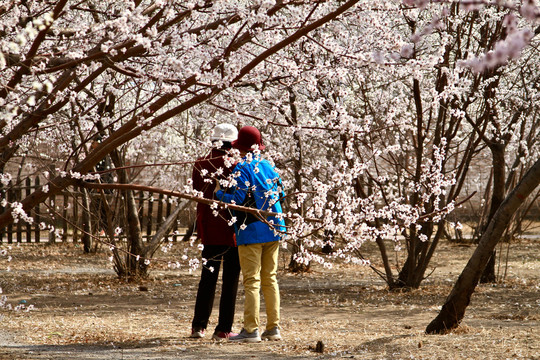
413 271
497 197
454 308
407 274
135 266
488 275
294 266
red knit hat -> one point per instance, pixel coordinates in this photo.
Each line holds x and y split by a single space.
247 137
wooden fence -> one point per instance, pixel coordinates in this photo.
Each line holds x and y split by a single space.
61 218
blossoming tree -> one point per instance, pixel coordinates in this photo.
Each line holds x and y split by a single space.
63 60
382 126
391 98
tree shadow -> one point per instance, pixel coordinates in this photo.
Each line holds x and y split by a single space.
85 350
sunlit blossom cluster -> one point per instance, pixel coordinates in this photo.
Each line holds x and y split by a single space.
19 214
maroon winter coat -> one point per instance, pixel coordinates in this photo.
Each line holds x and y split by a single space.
212 230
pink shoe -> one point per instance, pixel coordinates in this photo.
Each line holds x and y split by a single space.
221 335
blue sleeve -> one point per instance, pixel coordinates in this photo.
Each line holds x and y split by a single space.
238 193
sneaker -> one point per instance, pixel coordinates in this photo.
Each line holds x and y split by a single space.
244 336
222 335
272 334
197 333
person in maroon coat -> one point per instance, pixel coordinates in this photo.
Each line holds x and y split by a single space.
218 240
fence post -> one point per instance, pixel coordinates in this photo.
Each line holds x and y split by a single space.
65 218
149 217
37 218
141 210
52 204
86 225
3 195
159 218
10 197
18 196
167 213
28 225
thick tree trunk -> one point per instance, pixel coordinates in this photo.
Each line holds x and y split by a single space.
489 275
497 197
413 271
454 308
135 266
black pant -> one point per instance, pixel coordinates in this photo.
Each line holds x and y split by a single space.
215 254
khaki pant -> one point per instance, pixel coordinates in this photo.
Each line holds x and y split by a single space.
259 264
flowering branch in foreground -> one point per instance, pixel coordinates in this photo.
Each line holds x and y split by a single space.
260 214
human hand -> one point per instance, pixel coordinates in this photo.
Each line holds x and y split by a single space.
218 187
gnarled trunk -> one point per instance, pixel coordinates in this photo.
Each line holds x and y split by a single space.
497 197
454 308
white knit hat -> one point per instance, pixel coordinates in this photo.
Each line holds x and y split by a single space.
224 132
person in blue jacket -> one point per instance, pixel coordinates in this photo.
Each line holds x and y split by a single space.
257 185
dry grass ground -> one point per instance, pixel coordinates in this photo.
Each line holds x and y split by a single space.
81 311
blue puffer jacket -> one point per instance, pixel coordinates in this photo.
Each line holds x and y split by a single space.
265 185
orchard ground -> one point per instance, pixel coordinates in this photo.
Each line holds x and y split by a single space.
82 311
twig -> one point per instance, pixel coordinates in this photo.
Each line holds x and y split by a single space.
260 214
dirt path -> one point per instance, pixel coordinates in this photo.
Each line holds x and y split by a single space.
83 312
